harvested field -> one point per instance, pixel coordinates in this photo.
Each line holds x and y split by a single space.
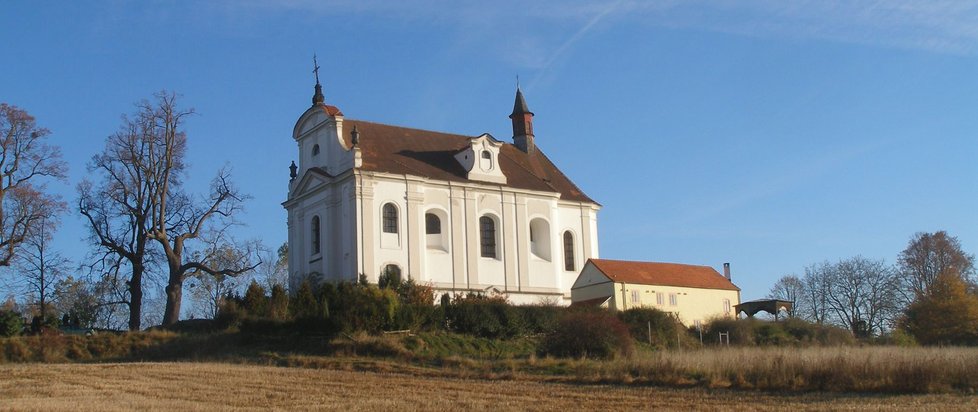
216 386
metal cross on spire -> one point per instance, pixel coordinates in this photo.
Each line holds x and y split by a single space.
315 67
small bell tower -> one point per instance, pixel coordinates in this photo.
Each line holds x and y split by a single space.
522 119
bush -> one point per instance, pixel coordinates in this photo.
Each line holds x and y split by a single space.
741 332
230 313
11 324
304 305
590 333
356 307
487 317
255 300
540 319
791 332
278 304
664 327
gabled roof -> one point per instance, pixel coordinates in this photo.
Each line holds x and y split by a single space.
402 150
664 274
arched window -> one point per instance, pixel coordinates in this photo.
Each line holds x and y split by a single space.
432 224
390 218
486 162
487 236
540 238
315 235
315 150
391 277
568 251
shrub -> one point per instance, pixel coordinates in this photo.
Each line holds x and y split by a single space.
354 306
590 333
741 332
488 317
304 305
255 300
664 327
11 324
230 313
540 319
278 304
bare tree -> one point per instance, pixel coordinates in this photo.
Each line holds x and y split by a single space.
40 267
25 160
210 289
929 255
789 288
861 295
177 218
274 268
817 283
118 209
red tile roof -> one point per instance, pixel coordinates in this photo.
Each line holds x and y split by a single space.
665 274
402 150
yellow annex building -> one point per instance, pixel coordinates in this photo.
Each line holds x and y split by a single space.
693 293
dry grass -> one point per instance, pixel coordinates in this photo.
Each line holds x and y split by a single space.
838 369
212 386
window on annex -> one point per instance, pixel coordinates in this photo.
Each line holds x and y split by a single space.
672 299
568 251
316 248
726 307
660 299
636 298
487 236
390 218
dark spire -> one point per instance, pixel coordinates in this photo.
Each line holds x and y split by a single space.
317 98
355 136
522 119
519 107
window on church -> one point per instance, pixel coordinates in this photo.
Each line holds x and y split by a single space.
315 150
486 162
315 235
540 238
568 251
390 218
432 224
487 232
391 277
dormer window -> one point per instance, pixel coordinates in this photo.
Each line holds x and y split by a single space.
480 160
486 162
315 150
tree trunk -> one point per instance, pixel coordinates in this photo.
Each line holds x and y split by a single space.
174 295
136 297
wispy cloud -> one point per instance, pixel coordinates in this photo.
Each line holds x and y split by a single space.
941 26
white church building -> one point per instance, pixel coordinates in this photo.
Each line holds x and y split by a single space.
461 213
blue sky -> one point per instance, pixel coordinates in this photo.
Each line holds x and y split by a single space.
769 134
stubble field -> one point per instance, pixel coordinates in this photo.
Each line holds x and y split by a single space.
218 386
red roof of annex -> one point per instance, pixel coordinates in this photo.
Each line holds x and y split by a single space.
664 274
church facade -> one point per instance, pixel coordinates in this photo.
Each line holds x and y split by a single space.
461 213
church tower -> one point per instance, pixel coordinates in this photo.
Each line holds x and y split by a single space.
522 119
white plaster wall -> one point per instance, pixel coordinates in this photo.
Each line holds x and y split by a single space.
692 304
